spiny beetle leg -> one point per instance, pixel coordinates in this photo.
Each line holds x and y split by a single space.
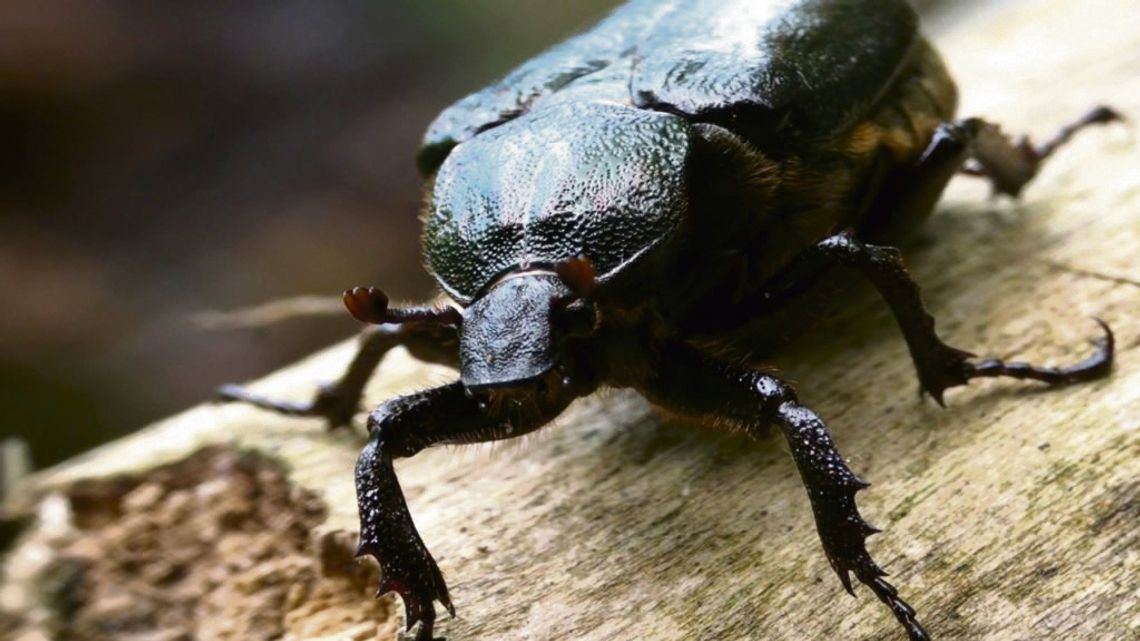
689 383
388 535
402 427
831 488
939 365
338 402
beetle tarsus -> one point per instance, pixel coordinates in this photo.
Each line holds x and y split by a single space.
953 367
331 402
1099 115
1096 366
900 608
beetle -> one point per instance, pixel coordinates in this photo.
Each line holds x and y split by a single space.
637 206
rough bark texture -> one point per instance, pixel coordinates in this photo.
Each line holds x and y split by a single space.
1013 514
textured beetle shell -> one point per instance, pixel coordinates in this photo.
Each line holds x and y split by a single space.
799 67
536 191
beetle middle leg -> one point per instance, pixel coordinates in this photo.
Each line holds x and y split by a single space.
689 383
402 427
939 365
428 333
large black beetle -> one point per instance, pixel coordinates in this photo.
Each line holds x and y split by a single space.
628 207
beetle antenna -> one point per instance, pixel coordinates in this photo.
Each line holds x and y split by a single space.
370 305
579 275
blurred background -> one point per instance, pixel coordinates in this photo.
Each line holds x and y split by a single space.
163 158
160 159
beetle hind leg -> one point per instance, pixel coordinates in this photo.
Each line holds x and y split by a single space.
972 147
1010 165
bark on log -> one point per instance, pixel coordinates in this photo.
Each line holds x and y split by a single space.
1013 514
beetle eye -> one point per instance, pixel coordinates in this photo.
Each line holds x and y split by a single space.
576 319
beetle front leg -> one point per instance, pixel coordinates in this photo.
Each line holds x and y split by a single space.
689 383
939 365
402 427
428 333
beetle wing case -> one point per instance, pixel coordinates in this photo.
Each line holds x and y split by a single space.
802 68
595 179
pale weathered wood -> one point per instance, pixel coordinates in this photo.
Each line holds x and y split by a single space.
1013 514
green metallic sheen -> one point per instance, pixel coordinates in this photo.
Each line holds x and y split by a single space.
583 150
810 67
536 191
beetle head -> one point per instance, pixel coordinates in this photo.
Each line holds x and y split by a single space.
516 333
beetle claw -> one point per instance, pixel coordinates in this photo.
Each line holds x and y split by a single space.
847 553
419 594
941 368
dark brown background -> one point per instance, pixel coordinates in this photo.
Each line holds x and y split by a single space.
164 158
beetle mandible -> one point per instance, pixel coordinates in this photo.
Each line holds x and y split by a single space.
628 207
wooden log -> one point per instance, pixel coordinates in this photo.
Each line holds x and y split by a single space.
1013 514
